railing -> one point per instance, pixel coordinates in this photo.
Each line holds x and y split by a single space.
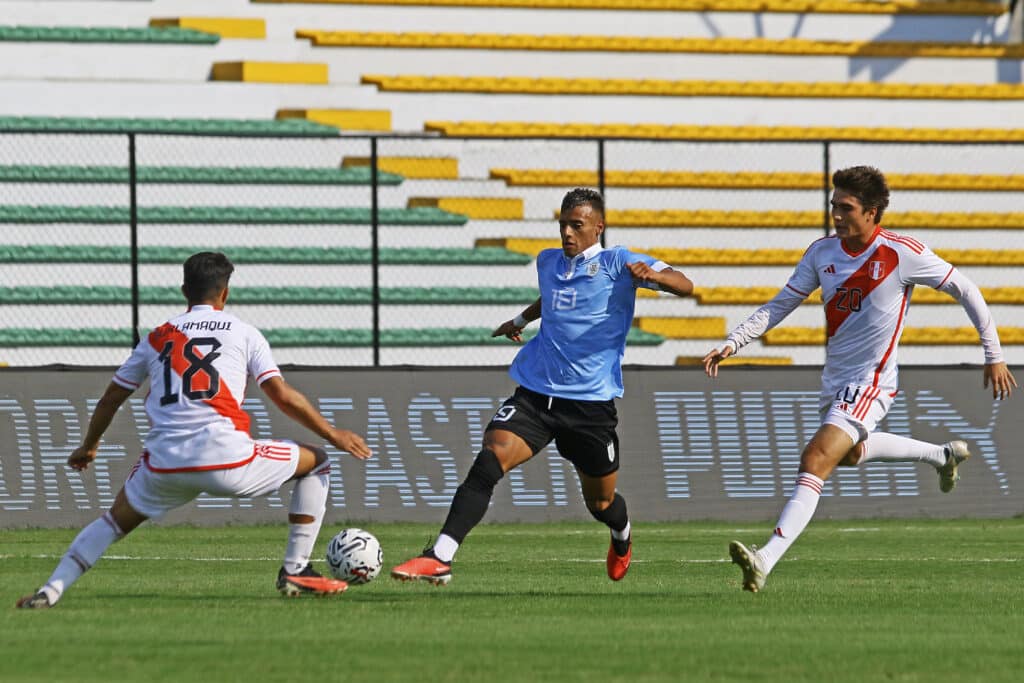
364 197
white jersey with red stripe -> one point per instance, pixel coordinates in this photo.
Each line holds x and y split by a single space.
866 296
198 364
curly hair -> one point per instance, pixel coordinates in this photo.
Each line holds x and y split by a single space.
583 196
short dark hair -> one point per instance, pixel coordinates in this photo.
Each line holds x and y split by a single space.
206 274
583 196
867 184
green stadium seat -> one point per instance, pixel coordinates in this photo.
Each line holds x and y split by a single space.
196 175
232 127
422 256
105 34
289 337
335 296
196 215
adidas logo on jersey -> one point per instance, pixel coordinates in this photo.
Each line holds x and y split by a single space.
830 269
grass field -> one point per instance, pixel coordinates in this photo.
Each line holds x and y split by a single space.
854 601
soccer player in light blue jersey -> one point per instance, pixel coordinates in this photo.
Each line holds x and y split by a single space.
568 375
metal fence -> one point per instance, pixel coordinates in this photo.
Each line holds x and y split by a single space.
365 250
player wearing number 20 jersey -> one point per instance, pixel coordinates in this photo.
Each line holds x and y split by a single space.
198 364
867 275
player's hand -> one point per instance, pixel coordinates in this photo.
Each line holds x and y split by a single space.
715 357
1002 380
352 443
642 272
508 329
81 457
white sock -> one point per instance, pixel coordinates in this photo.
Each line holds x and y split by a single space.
885 447
308 498
88 547
445 547
794 518
622 535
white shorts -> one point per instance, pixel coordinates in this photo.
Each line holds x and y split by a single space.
856 409
154 494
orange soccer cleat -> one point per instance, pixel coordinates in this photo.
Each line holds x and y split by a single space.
424 568
617 564
308 582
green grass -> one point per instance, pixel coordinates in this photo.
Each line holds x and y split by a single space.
862 600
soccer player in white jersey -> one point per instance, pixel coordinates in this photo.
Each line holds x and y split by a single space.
197 364
866 275
568 375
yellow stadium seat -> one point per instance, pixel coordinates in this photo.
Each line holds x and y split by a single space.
599 43
481 208
345 119
959 182
225 27
441 168
270 72
656 87
516 129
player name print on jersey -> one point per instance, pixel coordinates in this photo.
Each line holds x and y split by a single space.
204 325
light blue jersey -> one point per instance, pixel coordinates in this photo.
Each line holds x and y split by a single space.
587 307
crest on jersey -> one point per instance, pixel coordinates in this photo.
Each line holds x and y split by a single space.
593 267
876 269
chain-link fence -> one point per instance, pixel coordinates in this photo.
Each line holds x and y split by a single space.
410 250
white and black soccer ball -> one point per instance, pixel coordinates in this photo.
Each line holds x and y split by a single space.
355 556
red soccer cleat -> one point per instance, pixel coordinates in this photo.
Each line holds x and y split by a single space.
308 582
424 568
617 564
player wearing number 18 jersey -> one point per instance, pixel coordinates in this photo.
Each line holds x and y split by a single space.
197 365
866 275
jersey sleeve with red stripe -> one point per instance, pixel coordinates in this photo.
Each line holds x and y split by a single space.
261 362
133 372
918 265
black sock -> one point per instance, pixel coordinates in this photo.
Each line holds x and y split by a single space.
474 495
616 518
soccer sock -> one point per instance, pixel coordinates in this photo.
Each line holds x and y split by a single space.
445 547
471 500
87 548
616 518
308 498
892 448
794 518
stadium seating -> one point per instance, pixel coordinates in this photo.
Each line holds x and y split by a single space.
459 197
95 34
491 85
326 256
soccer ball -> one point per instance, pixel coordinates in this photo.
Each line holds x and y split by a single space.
355 556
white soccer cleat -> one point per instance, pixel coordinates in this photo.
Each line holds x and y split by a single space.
949 474
752 565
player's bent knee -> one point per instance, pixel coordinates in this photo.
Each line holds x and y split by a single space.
319 454
853 456
485 473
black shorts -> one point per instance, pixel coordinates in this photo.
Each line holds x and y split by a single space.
583 431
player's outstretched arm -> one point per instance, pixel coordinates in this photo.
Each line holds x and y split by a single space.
714 357
295 405
668 280
513 329
1001 379
106 409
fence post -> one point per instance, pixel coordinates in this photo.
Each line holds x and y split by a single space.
826 182
133 220
600 180
374 251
